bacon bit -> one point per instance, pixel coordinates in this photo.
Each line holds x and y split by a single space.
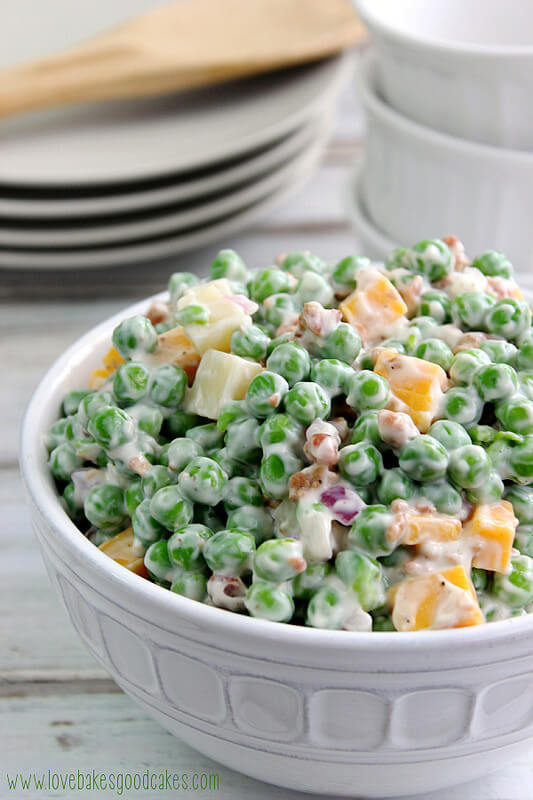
412 293
341 426
318 319
503 287
274 400
287 327
470 340
280 258
298 563
458 250
396 428
158 312
140 465
247 305
322 445
317 476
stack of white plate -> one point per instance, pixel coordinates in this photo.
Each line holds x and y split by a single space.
116 183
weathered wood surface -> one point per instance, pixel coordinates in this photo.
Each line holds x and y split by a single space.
58 709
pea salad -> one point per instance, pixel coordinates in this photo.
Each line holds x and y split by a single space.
345 446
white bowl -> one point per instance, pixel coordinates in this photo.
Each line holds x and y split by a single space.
464 67
373 243
323 711
418 183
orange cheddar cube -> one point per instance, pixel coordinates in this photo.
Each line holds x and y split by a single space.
120 549
175 347
444 599
492 529
418 384
112 361
420 528
373 306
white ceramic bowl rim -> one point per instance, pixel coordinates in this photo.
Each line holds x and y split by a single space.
367 79
43 494
370 12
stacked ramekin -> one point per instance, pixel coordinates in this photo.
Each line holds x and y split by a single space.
448 93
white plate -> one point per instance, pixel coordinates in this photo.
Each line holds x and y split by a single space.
142 226
141 139
117 201
154 249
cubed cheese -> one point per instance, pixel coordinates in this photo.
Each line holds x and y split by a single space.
112 361
374 305
225 316
444 599
418 384
221 378
420 528
120 549
491 530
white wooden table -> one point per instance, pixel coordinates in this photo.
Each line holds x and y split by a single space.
58 709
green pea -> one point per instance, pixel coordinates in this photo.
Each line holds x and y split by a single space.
192 314
314 288
208 436
516 588
265 393
499 351
521 498
521 460
186 544
275 471
470 310
524 356
480 579
254 519
445 498
363 575
104 507
279 560
158 564
228 264
56 434
179 283
148 418
490 491
395 344
424 459
482 434
146 529
63 461
382 623
170 508
394 484
111 427
509 318
367 390
181 451
155 479
133 496
437 305
73 506
496 382
366 360
516 414
360 463
229 552
306 583
249 341
167 385
307 401
526 383
342 343
203 481
242 442
268 281
493 263
280 428
523 540
462 405
436 351
291 361
91 404
369 531
500 452
179 422
282 339
399 258
333 375
432 257
345 271
268 601
298 263
72 400
326 608
279 309
192 585
469 466
366 428
135 335
241 491
450 434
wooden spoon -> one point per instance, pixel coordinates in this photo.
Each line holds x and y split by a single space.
182 45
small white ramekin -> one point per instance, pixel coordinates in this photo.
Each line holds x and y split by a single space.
464 67
331 712
418 183
372 242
